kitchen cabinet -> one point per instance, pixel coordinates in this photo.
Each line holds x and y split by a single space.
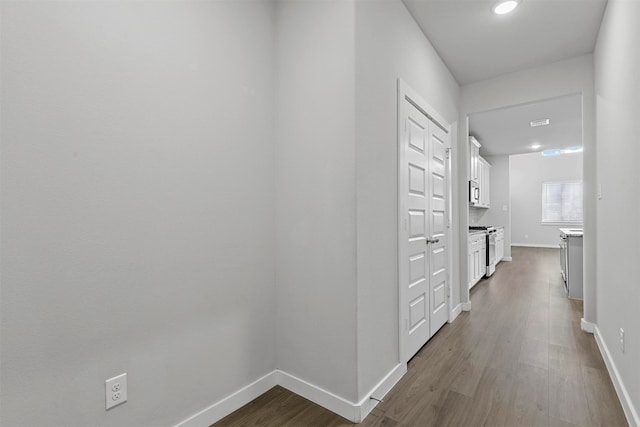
484 183
571 261
480 174
474 156
499 244
477 257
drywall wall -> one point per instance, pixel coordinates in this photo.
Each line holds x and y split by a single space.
528 172
500 198
617 67
316 194
389 45
137 207
558 79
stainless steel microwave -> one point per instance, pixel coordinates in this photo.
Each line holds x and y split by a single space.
474 193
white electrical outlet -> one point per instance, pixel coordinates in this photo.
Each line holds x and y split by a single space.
115 391
622 340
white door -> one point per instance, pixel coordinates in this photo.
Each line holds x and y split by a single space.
438 251
423 252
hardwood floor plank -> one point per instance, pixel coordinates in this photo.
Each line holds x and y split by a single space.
530 404
567 400
604 407
535 353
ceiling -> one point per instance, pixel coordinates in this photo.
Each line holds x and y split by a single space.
477 45
506 131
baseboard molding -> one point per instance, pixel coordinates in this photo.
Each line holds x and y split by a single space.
466 306
324 398
587 326
380 390
455 313
627 405
227 405
534 245
355 412
507 259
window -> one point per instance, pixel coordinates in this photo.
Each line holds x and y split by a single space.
562 202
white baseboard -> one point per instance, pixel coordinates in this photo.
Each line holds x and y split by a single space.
466 306
380 390
455 313
627 405
355 412
535 245
587 326
227 405
324 398
507 259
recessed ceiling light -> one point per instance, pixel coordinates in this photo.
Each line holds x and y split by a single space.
535 146
539 122
504 7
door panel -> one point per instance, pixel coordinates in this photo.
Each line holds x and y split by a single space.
437 209
423 190
415 145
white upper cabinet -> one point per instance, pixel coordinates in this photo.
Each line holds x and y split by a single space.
474 155
480 173
484 183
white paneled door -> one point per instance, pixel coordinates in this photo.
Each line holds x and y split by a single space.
424 244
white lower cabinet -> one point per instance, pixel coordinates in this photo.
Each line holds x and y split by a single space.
477 258
499 244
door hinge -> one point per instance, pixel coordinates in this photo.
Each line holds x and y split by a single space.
448 152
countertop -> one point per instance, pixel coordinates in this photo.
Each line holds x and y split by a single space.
572 232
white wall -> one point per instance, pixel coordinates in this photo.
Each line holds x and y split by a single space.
528 172
389 45
617 67
499 198
561 78
316 193
137 207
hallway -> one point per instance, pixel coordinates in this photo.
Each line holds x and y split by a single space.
518 358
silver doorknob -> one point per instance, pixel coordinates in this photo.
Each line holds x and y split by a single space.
433 240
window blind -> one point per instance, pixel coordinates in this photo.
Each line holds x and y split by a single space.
562 202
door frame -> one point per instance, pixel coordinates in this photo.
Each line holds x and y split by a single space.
405 92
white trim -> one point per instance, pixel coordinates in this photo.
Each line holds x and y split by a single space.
455 312
507 259
355 412
234 401
466 306
627 404
322 397
587 326
379 391
535 245
562 224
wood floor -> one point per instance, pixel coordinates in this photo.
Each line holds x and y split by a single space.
518 358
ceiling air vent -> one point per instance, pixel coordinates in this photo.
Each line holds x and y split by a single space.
541 122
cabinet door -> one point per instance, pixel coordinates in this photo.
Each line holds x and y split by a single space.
486 184
470 270
474 155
